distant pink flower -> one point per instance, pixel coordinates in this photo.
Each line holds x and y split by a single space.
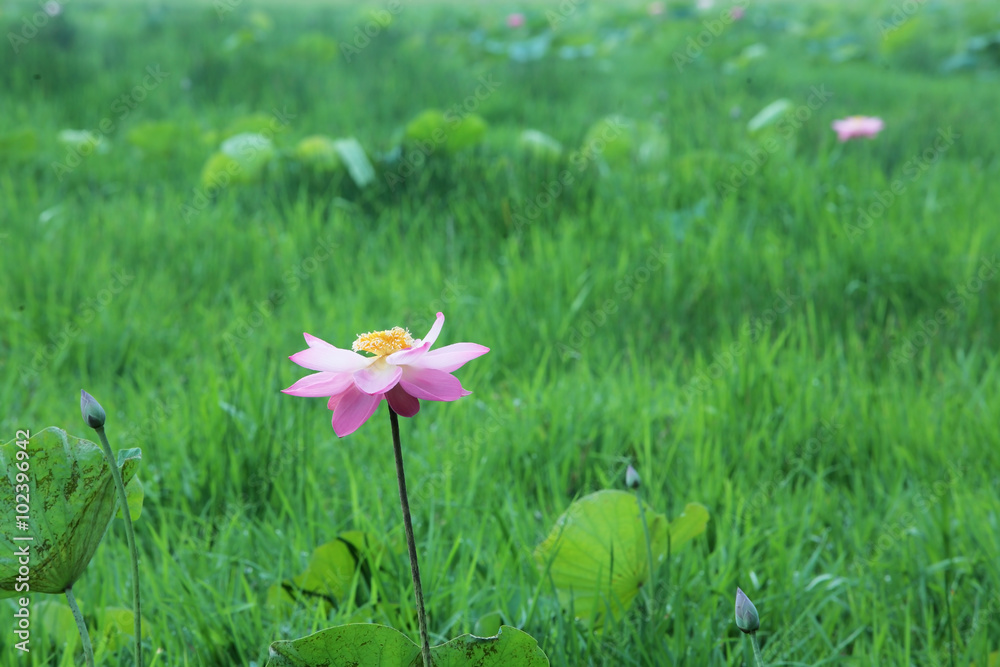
402 371
656 8
737 13
858 126
515 20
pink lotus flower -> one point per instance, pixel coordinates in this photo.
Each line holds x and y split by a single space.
737 13
515 20
402 371
858 126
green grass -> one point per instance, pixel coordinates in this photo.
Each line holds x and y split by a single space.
845 445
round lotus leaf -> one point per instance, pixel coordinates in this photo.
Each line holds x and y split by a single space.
369 644
320 152
596 556
70 495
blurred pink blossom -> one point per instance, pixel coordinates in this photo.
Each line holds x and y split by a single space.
737 13
858 126
515 20
656 8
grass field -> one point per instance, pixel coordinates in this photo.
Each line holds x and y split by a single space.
798 333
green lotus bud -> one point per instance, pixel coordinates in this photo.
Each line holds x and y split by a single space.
632 480
746 614
93 413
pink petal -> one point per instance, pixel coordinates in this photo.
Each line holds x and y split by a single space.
432 385
321 384
322 356
353 410
450 357
410 355
377 378
435 331
402 403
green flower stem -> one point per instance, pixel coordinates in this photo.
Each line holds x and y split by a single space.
81 625
756 649
649 548
425 645
123 500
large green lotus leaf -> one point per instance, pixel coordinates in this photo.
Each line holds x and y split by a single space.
162 138
433 128
429 126
251 151
612 139
71 499
596 554
689 525
319 152
466 132
382 646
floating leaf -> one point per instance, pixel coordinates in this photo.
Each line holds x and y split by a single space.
596 554
369 644
70 493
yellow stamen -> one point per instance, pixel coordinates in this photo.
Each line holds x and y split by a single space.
382 343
